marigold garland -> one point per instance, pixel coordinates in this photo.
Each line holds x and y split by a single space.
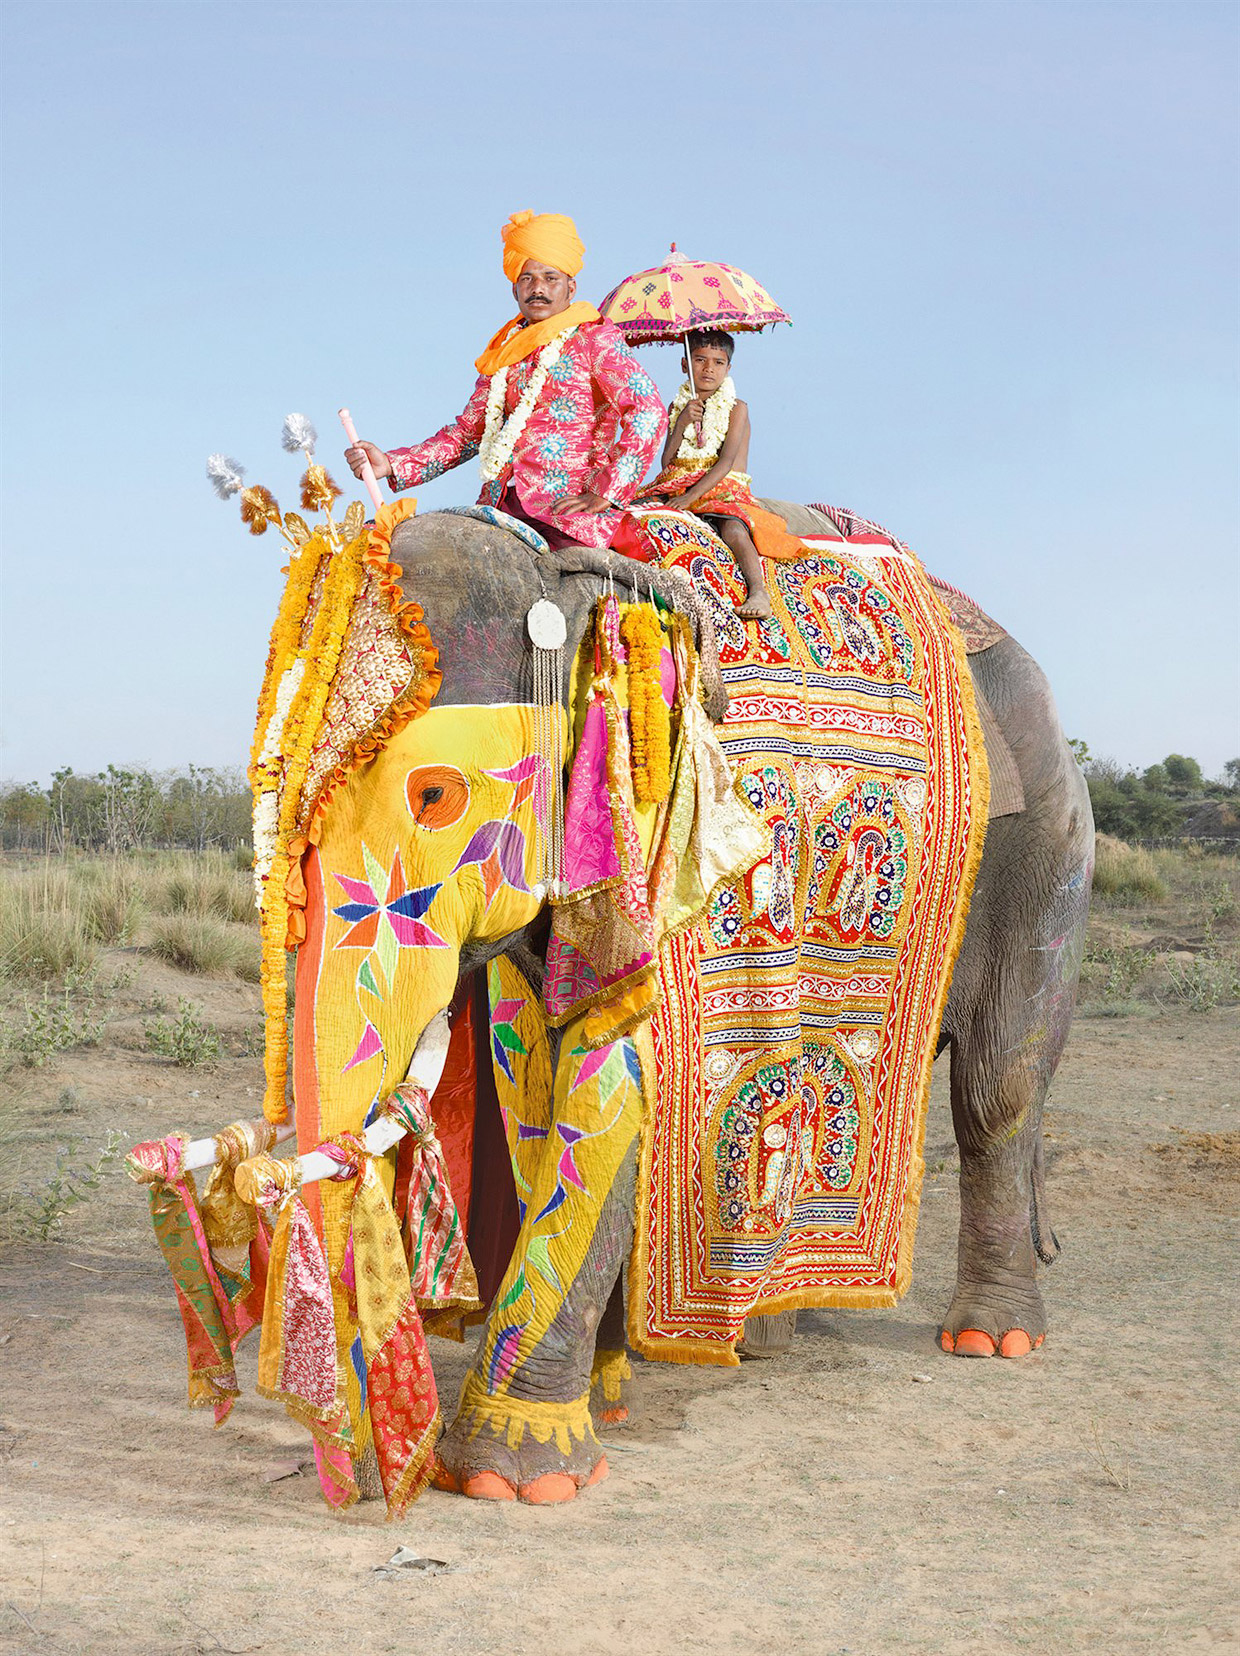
650 720
278 778
302 569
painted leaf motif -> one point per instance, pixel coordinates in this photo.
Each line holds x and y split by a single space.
514 1293
503 1356
557 1200
367 1047
539 1255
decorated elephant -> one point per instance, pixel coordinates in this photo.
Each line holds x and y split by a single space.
627 933
723 1089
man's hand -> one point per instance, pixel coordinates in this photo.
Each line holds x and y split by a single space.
379 462
590 503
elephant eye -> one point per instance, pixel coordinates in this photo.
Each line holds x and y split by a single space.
431 796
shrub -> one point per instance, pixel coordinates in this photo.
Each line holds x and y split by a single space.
53 1024
205 946
1124 965
1196 984
69 1184
186 1039
1125 873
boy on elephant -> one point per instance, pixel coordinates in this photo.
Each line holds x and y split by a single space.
564 419
704 468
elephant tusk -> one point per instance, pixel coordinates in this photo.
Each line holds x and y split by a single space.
204 1152
425 1069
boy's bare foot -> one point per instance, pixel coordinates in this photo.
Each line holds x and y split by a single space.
756 605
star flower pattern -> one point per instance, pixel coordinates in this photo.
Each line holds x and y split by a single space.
400 910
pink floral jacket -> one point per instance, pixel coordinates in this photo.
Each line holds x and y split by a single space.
596 428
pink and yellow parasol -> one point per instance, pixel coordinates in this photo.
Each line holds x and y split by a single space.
661 305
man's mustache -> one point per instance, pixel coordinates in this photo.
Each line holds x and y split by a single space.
538 298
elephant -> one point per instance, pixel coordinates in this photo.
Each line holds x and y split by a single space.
1005 1020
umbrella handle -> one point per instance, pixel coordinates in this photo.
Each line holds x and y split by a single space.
368 475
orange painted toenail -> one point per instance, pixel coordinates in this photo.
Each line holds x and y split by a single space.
443 1479
488 1486
613 1417
549 1490
1015 1343
946 1341
598 1474
1038 1341
973 1342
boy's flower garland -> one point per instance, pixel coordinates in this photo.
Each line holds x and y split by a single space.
500 436
650 720
719 406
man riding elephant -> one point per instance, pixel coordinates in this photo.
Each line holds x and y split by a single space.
567 462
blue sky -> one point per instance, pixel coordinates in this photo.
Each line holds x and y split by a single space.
1006 232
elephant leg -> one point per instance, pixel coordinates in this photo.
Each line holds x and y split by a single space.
1008 1022
523 1426
611 1373
768 1336
997 1306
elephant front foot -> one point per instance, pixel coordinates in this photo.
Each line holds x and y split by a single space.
610 1380
507 1448
996 1320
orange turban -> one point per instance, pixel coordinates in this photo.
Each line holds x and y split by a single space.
550 238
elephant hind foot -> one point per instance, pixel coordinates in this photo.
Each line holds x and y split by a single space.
610 1383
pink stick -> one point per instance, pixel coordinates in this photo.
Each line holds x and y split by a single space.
368 475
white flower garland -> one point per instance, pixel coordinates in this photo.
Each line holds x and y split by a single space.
500 437
267 803
719 408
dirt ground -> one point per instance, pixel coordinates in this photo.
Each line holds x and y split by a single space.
863 1494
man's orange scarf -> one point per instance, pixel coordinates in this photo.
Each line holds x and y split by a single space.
517 339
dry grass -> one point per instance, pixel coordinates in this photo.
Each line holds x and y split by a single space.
1164 932
1126 873
1116 1472
112 895
44 932
201 944
207 884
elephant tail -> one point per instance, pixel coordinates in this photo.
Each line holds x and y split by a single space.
1039 1221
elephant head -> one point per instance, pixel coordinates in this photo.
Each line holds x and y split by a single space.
429 860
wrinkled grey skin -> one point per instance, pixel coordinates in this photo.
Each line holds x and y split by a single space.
1011 998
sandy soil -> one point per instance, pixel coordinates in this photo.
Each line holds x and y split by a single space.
863 1494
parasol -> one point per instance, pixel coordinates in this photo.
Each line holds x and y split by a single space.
661 306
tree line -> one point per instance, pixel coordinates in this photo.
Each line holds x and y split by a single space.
120 809
1164 801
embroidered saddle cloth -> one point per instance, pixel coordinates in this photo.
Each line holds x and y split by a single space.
792 1044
